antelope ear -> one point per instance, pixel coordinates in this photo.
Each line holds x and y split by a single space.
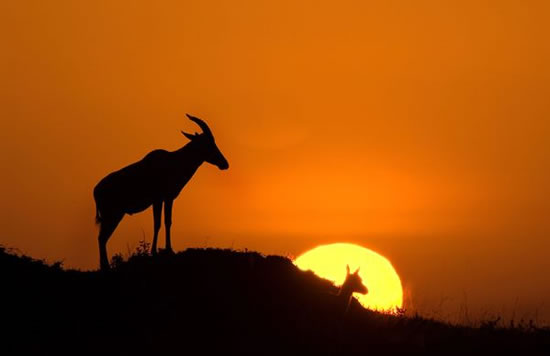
189 136
347 270
357 271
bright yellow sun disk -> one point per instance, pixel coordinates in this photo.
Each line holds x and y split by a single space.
378 274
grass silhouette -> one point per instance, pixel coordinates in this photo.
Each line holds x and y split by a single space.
214 300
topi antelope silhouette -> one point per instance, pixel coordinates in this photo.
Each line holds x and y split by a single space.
155 180
353 283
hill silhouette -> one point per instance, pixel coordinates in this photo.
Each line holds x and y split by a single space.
213 300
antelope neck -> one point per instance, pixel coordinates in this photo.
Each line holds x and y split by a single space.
345 291
191 154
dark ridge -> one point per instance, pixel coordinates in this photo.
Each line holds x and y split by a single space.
201 301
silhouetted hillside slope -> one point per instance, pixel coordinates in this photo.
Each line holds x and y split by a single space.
213 300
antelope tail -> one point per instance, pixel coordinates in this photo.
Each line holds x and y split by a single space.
97 216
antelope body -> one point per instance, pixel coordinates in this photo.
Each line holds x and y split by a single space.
155 180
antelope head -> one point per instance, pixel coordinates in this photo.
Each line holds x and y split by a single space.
354 283
207 144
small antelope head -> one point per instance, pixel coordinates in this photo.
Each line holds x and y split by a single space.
354 283
207 144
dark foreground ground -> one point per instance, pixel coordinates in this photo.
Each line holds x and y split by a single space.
206 300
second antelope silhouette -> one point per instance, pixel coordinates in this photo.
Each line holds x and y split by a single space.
155 180
353 283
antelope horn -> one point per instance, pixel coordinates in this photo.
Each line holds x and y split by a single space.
202 124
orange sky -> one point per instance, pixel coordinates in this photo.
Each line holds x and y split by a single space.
419 129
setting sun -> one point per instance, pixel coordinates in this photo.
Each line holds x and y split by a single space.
329 262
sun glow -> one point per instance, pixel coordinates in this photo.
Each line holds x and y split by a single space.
329 262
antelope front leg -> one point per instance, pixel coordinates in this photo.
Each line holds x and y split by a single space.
157 211
168 224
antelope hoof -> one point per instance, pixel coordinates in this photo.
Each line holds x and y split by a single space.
167 251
